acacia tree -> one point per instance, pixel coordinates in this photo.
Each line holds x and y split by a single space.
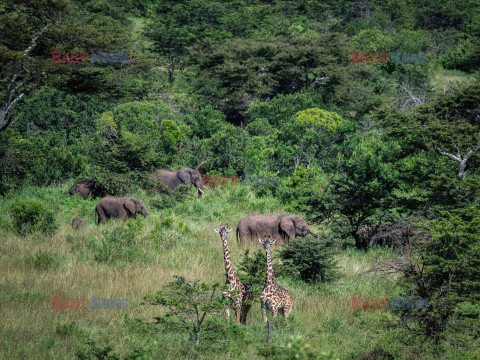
189 305
440 262
360 192
234 74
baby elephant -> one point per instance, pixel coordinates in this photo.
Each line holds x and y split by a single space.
78 223
122 208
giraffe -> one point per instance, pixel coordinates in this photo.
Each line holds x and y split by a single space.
274 297
241 303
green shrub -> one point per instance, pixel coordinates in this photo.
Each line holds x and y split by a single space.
310 258
30 216
121 244
121 183
68 329
170 198
188 303
164 224
44 260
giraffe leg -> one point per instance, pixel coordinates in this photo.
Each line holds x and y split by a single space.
227 311
239 313
264 312
275 311
287 309
274 316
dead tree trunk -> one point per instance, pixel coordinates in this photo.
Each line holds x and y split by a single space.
462 162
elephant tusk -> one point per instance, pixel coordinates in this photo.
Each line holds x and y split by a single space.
201 191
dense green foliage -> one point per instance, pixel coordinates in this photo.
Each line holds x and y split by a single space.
30 216
310 259
257 87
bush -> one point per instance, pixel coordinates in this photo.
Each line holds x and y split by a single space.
30 216
310 258
170 198
44 260
121 244
440 263
189 303
118 184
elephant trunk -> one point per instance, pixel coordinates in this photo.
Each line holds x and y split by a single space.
200 191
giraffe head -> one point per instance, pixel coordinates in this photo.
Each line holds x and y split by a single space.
267 242
223 231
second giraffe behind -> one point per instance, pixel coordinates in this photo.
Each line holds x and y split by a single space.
241 300
274 297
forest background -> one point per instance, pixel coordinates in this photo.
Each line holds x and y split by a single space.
266 88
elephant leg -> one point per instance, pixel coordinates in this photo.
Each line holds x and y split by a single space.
101 214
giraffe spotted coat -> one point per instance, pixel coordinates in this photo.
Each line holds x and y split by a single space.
274 297
241 300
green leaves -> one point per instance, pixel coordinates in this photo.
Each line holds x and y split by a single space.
319 119
310 258
189 304
30 216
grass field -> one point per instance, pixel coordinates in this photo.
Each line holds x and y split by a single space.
176 240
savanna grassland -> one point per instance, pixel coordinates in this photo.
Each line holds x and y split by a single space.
37 267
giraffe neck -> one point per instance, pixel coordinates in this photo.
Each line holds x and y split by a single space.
231 274
270 277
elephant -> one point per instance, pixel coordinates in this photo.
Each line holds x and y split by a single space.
85 187
282 226
185 175
122 208
78 223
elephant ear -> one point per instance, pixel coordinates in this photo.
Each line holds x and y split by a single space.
184 176
287 225
129 204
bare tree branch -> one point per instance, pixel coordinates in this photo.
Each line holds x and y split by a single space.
12 96
462 162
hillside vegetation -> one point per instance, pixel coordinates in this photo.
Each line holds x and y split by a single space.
382 159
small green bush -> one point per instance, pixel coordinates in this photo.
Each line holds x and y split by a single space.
310 258
44 260
69 329
121 244
164 224
30 216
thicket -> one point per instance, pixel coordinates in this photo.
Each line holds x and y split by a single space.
30 216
